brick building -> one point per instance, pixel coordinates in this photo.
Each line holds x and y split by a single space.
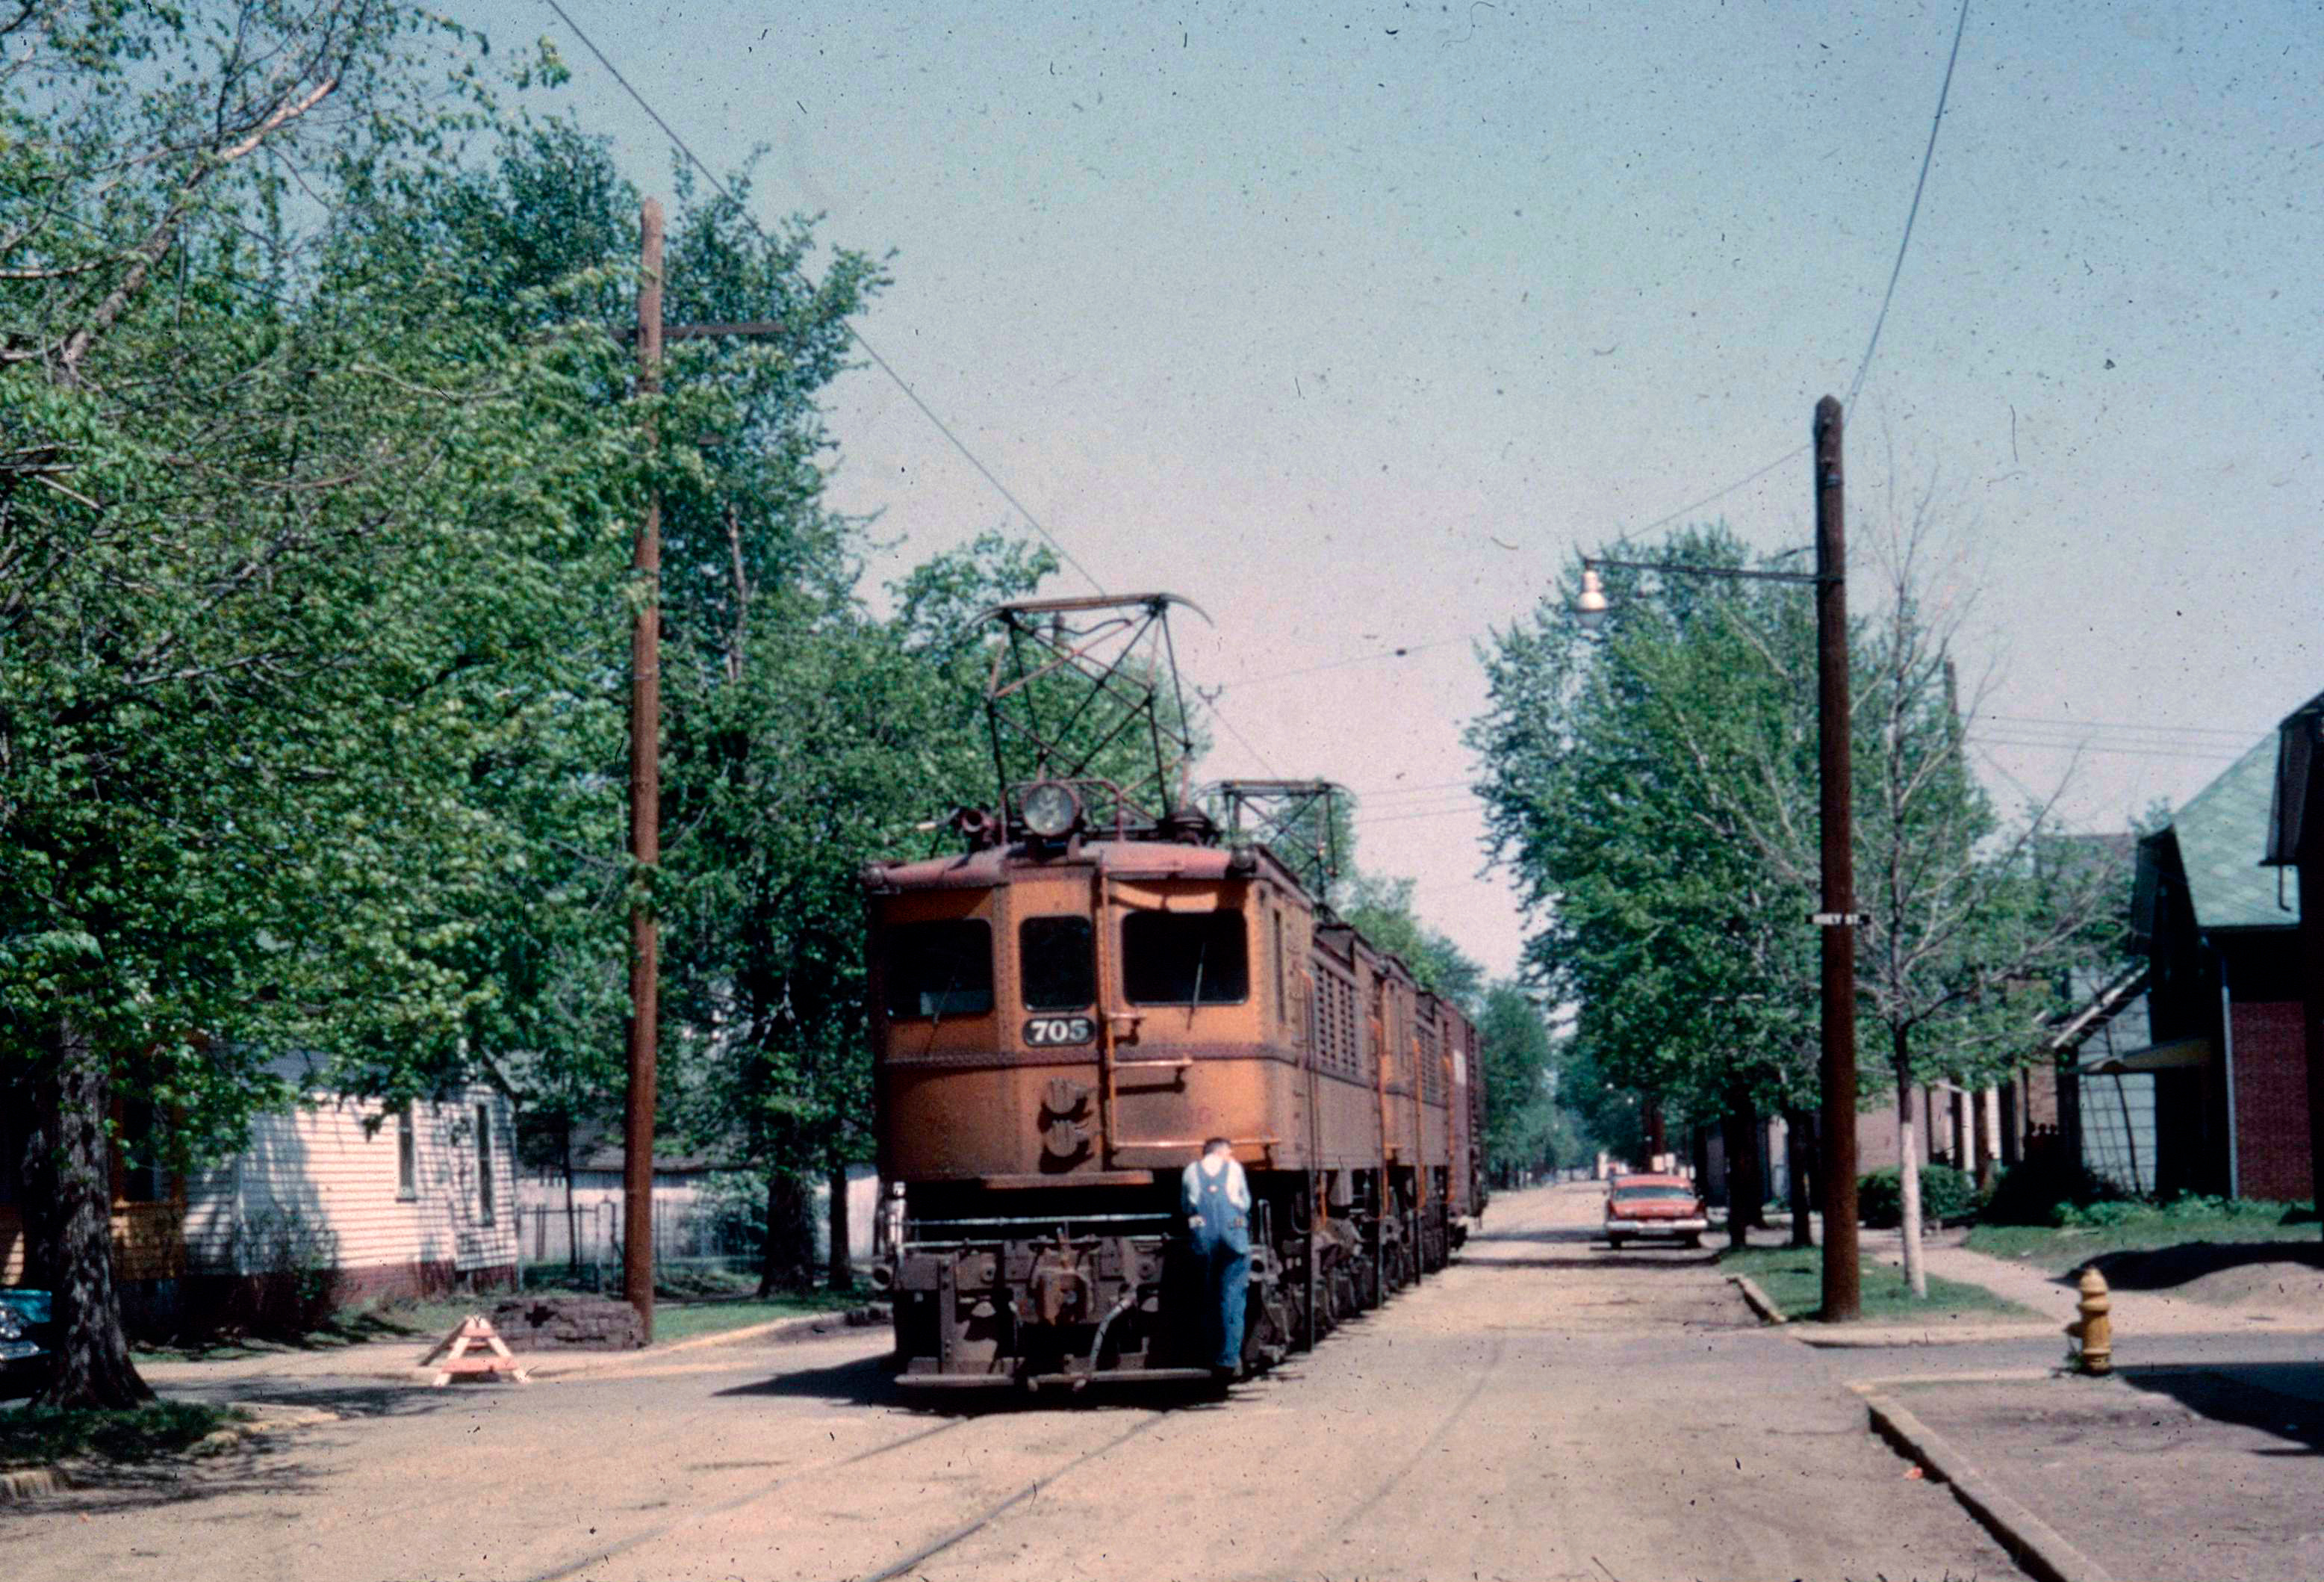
2221 935
2295 841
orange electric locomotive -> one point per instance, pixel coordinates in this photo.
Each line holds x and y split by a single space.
1107 976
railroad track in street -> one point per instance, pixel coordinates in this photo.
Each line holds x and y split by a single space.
977 1524
825 1498
604 1554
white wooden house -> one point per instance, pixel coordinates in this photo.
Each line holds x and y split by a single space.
352 1200
333 1201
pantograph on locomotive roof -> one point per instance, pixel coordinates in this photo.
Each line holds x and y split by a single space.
1085 694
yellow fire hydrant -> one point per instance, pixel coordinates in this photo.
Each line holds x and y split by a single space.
2094 1330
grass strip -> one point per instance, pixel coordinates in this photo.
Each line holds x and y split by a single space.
1793 1278
38 1435
2142 1231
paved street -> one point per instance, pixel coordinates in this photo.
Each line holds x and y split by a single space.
1544 1410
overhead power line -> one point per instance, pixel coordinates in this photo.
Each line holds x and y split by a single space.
2204 753
2228 732
1896 271
1927 155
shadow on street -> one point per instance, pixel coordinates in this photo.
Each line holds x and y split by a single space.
873 1382
2283 1399
1585 1257
260 1467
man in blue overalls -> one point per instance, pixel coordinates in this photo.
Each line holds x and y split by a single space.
1215 1198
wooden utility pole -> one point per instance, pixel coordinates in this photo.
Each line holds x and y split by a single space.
1843 1294
645 824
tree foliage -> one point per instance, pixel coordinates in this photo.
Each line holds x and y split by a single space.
1654 793
318 466
1623 775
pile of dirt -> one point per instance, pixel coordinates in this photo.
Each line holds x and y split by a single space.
2253 1274
569 1323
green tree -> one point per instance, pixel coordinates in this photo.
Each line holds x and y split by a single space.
1381 911
287 564
815 758
1523 1130
1629 779
1972 923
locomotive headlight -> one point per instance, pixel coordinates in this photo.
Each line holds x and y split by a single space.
1049 809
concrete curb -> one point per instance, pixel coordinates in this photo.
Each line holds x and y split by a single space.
1877 1335
266 1418
798 1328
805 1327
1759 1300
2033 1542
30 1484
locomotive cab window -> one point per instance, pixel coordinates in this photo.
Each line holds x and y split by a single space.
939 969
1057 963
1185 959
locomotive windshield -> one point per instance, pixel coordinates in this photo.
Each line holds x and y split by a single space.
1183 958
1058 963
940 969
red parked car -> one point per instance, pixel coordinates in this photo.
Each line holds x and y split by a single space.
1653 1206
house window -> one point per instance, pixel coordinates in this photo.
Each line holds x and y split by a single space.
940 969
406 1156
1058 963
485 1163
1185 959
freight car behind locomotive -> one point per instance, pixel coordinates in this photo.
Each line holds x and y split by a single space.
1061 1015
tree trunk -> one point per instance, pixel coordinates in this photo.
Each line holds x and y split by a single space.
1744 1192
68 1176
1908 1167
1799 1142
787 1263
841 1265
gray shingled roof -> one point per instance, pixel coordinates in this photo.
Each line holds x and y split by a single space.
2222 835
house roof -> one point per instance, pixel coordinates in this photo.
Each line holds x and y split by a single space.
2107 1018
2222 835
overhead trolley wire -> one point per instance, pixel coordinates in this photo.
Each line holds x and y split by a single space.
881 363
868 350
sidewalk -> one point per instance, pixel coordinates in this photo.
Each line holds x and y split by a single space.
2200 1471
2030 1285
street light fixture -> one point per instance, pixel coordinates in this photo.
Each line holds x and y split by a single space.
1842 1296
1591 607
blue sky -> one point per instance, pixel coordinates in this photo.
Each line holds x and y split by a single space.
1354 323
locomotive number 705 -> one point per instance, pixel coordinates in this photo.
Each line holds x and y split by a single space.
1052 1031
